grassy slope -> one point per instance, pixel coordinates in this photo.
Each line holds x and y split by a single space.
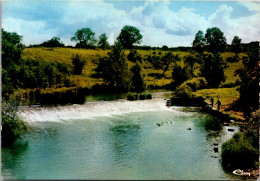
85 80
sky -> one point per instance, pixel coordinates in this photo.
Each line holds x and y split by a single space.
161 22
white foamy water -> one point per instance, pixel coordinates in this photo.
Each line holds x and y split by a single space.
92 109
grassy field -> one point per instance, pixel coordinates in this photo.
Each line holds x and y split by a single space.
64 55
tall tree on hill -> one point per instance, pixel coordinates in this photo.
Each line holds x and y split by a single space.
114 69
213 68
54 42
199 42
236 46
129 35
85 38
102 41
215 40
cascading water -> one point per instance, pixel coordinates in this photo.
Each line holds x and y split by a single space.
91 110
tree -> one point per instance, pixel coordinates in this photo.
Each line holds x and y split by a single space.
236 46
180 74
78 63
249 88
12 126
167 60
215 40
134 56
114 69
138 84
199 42
11 57
212 69
85 38
191 60
129 35
102 41
54 42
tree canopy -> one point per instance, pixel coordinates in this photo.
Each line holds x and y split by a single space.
114 69
213 69
129 35
215 40
102 41
85 38
54 42
199 42
236 46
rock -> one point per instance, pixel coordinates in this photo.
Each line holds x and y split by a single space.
215 149
226 124
217 138
189 129
214 156
232 121
230 129
215 144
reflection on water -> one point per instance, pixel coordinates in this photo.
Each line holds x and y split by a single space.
121 146
125 140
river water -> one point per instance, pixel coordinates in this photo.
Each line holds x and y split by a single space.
116 139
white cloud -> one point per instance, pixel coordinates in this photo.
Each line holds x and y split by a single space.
158 23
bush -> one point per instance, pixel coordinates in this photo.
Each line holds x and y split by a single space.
12 126
132 96
239 153
232 59
142 96
78 63
183 91
231 84
149 96
213 124
196 83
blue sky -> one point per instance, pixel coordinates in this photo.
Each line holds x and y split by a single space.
161 22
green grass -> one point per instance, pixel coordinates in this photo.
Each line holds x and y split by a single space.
64 55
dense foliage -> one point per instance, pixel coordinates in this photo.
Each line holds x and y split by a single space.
212 69
78 63
54 42
114 69
12 126
85 38
137 81
102 41
129 36
249 88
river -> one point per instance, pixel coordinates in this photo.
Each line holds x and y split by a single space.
116 139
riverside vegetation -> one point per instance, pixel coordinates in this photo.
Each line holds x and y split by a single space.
51 73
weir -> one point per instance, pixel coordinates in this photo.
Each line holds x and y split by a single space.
200 102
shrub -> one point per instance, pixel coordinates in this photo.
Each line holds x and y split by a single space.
183 91
196 83
213 124
132 96
142 96
12 126
78 63
239 153
232 59
149 96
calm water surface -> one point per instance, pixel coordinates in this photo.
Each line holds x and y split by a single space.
115 140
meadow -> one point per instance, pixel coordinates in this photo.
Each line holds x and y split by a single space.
64 55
